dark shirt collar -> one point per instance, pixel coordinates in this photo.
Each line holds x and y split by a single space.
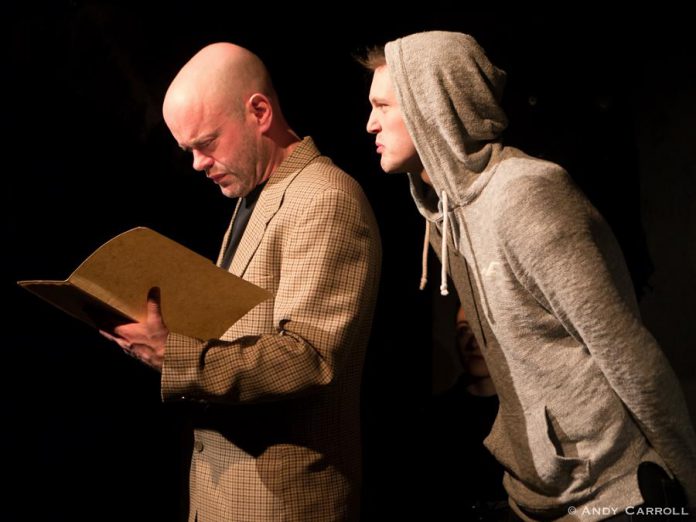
250 199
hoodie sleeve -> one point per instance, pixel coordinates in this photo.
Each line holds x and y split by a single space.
562 249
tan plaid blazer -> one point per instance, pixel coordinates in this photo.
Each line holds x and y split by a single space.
277 429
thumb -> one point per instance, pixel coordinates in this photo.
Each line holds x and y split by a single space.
154 310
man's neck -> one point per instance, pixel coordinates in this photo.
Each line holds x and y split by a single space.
426 179
281 147
482 387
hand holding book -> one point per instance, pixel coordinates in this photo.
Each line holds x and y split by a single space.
145 341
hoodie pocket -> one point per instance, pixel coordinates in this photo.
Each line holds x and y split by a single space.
539 459
558 464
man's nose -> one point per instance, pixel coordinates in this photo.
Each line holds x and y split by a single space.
201 161
372 123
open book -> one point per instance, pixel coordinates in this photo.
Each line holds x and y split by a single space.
110 287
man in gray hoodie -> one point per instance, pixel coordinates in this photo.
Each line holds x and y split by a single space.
589 406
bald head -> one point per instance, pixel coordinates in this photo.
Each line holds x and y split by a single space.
222 107
221 76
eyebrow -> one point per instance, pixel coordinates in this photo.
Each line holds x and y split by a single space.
377 99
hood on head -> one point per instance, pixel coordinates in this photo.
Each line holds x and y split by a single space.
450 95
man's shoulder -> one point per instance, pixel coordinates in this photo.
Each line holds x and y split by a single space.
322 174
323 192
517 166
519 177
530 194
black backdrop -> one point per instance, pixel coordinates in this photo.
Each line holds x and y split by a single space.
84 432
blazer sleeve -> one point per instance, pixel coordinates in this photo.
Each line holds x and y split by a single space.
563 249
330 264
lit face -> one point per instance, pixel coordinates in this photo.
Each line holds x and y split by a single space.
471 356
392 139
224 145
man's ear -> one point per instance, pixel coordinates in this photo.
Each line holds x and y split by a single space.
261 110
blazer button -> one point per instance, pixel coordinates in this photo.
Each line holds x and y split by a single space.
198 446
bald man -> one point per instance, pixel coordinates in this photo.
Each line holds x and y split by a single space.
277 433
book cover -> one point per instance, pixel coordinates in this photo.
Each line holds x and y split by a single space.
110 287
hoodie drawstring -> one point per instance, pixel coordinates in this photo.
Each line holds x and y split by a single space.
445 228
426 242
424 261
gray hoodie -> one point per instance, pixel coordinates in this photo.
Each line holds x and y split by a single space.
586 394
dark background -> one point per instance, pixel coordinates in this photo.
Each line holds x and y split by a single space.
85 434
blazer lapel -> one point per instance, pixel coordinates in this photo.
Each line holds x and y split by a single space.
268 204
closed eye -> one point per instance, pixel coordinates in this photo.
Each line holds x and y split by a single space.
200 145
